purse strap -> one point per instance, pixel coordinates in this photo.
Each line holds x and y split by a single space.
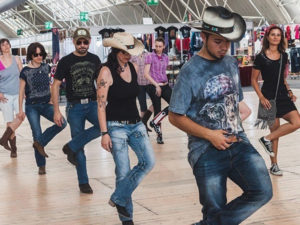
278 76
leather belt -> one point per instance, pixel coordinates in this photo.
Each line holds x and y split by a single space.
82 101
127 121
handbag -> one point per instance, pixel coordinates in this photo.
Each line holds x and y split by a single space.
266 117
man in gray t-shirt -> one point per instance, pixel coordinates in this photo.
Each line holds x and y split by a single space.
205 104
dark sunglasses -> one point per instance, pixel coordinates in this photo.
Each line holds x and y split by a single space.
38 54
85 42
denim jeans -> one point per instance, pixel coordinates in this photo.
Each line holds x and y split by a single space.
127 179
77 114
244 166
34 113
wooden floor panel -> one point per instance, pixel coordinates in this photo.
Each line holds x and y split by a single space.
167 196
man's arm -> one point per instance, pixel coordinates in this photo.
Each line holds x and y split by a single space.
216 137
58 118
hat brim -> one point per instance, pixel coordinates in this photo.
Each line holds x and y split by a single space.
239 29
137 50
82 37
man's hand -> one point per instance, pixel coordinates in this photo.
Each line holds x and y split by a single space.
58 119
158 90
106 142
219 140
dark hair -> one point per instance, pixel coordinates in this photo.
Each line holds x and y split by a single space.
266 44
2 41
32 49
160 39
112 61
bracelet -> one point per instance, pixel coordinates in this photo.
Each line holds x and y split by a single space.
289 90
103 133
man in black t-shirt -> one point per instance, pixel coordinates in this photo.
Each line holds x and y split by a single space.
79 69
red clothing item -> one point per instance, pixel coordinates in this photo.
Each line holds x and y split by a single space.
185 44
288 33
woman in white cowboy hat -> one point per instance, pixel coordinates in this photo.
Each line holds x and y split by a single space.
117 90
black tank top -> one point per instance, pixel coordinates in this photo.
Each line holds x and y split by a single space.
121 97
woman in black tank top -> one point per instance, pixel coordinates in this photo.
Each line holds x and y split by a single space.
117 90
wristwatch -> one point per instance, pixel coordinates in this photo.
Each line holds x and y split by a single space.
103 133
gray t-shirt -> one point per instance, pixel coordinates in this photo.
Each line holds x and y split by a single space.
208 92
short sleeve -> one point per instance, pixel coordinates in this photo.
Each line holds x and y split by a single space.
22 74
60 72
257 64
148 59
182 94
98 66
134 59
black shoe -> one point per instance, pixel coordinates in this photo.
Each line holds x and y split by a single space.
86 188
128 222
71 156
159 140
267 146
121 209
156 127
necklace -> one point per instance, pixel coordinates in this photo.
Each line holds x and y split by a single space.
123 68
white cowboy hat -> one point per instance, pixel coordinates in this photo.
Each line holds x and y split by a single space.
126 42
219 20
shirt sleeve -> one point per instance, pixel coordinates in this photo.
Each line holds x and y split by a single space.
98 67
60 72
22 75
148 59
257 64
182 94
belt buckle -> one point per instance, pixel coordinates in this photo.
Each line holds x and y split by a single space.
84 101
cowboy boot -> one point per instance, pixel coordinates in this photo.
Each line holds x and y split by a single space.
12 143
36 145
5 137
145 119
155 123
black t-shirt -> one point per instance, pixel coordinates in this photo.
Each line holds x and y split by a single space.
105 33
80 73
172 32
185 30
269 71
160 31
37 87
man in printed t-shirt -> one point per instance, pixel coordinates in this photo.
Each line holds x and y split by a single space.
205 104
79 69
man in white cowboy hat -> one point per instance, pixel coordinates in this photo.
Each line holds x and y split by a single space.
80 70
205 104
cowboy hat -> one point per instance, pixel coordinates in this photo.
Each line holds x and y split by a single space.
126 42
219 20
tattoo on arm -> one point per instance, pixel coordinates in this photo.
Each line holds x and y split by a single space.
102 83
101 102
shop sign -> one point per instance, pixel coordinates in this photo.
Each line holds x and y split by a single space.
48 25
19 32
84 16
152 2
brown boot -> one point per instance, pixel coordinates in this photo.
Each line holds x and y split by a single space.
42 170
39 148
13 146
145 119
4 139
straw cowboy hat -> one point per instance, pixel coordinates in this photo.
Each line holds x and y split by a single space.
126 42
219 20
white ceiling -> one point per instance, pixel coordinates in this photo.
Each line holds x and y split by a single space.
32 15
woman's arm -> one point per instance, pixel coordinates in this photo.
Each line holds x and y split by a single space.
104 81
20 65
21 114
290 92
254 82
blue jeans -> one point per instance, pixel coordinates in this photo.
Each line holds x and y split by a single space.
77 114
127 179
245 167
34 113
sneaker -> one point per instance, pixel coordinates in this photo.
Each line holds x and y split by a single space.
156 127
86 188
275 170
267 146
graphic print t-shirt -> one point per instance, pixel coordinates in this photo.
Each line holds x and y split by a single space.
80 73
37 88
208 92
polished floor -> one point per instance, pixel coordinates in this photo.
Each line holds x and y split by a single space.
167 196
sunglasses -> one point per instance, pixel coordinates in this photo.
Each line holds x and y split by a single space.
85 42
38 54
